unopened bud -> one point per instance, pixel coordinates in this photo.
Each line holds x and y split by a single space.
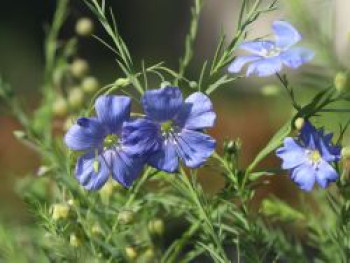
90 84
76 98
340 81
149 255
60 107
122 82
20 135
131 253
60 211
126 217
156 226
84 27
79 68
299 123
96 229
74 240
270 90
345 152
43 170
165 84
193 84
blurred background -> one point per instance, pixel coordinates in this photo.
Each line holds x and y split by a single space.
154 31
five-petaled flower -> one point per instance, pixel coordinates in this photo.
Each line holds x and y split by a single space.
101 139
268 56
172 129
308 158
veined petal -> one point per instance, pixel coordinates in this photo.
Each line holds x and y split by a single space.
304 176
126 169
112 111
258 47
286 34
291 153
239 62
194 148
162 104
197 113
86 134
295 57
326 174
265 67
141 136
166 158
92 171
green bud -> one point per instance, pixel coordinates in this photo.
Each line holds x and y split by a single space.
60 211
270 90
74 240
149 255
131 253
43 170
156 226
340 81
345 152
122 82
76 98
90 84
193 84
60 107
96 229
299 123
20 135
165 84
126 217
79 68
84 27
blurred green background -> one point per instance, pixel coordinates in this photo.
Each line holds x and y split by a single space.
154 31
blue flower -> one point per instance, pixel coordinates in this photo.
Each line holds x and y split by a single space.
309 158
172 129
101 139
269 56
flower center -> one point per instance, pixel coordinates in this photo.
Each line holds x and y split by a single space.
167 127
271 52
110 140
315 157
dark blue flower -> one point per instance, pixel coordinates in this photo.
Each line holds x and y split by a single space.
268 57
172 129
308 158
101 139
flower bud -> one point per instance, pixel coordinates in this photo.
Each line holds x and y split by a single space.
340 81
20 135
156 226
131 253
84 27
193 84
79 68
299 123
60 107
90 84
126 217
345 152
165 84
60 211
96 229
149 255
75 98
270 90
122 82
43 170
74 240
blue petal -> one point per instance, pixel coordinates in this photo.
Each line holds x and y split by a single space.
196 113
237 65
126 169
86 174
296 57
258 47
112 111
304 177
325 174
162 104
194 148
286 34
307 134
265 67
86 134
165 159
291 153
141 136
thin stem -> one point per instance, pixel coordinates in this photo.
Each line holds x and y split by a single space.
289 91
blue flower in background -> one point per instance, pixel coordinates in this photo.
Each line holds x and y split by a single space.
309 158
100 138
268 57
172 129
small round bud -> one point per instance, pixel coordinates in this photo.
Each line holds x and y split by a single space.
340 81
156 226
20 135
193 84
90 84
84 27
43 170
60 211
165 84
149 255
270 90
79 68
74 240
126 217
76 98
58 76
96 230
122 82
71 202
299 123
60 107
345 152
131 253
